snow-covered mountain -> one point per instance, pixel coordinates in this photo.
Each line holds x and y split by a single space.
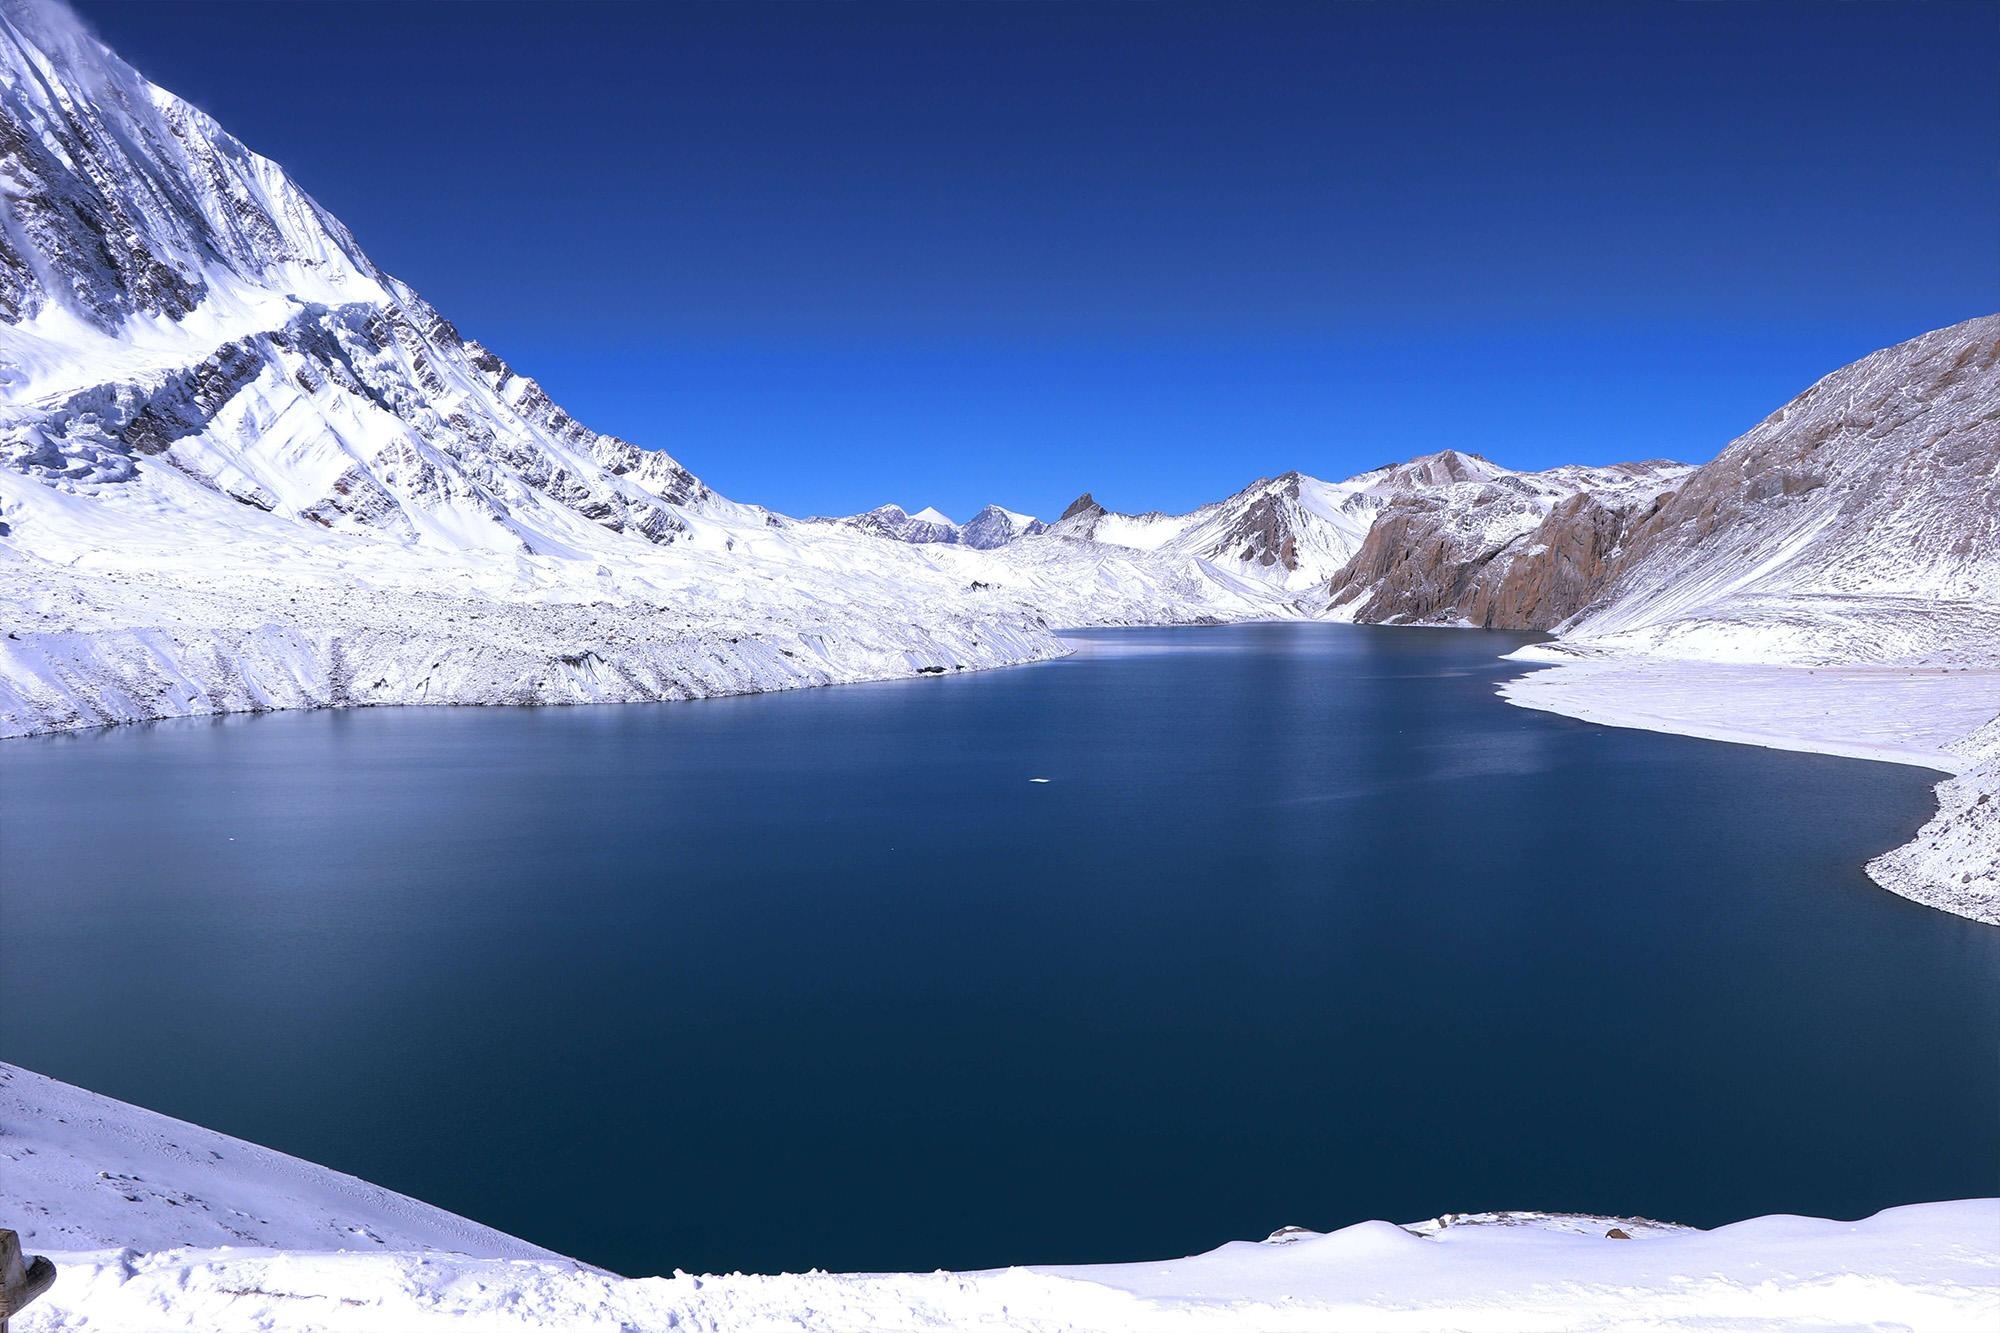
1860 522
990 527
1482 545
994 526
242 467
899 525
1288 532
1400 543
169 295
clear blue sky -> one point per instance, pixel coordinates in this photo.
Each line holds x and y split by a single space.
833 255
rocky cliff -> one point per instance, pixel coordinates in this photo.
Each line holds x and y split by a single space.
1493 548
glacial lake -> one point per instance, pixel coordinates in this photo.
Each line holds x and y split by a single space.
1305 927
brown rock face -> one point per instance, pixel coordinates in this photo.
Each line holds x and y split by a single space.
1565 565
1260 536
1083 504
1476 554
1881 480
1408 569
1876 491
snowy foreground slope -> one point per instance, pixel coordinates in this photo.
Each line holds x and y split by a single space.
83 1172
135 1207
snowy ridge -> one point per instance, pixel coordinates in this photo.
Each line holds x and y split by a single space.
1858 523
1300 536
1286 533
899 525
242 468
991 527
84 1172
156 1224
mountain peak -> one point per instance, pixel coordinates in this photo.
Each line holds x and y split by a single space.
1083 504
994 526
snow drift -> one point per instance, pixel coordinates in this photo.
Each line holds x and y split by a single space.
157 1224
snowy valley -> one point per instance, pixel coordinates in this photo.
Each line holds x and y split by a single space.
242 468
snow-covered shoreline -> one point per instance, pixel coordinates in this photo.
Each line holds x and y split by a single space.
1940 717
1919 1267
206 652
379 648
1894 714
156 1224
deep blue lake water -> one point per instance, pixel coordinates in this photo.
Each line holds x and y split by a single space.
1306 927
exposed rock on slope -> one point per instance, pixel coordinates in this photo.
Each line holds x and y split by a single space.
1480 545
241 467
1859 522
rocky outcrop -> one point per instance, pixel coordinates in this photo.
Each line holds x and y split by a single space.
1492 548
1410 568
1260 534
1565 563
1079 518
1853 524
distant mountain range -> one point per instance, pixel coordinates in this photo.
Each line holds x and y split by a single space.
241 467
990 527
